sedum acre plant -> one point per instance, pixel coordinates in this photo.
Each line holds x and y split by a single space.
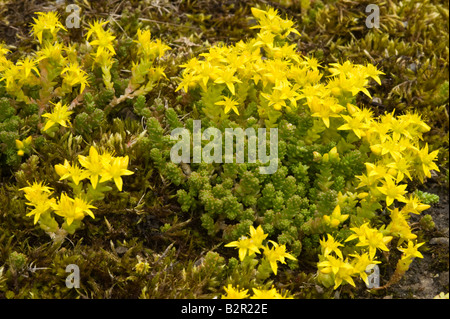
99 169
50 93
339 166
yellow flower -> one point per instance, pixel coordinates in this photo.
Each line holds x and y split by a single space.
74 172
274 72
244 244
3 50
324 108
73 75
330 245
340 269
5 64
265 39
357 81
251 245
10 75
144 39
142 267
227 76
427 160
106 158
53 51
375 170
104 42
159 48
257 235
392 190
391 146
338 68
289 52
411 251
359 232
60 115
413 205
287 92
276 253
402 167
96 28
147 48
369 181
371 71
46 21
36 192
26 66
115 170
361 264
41 208
38 196
192 64
344 275
355 123
229 104
416 123
189 80
399 226
269 21
330 265
83 206
93 164
215 55
235 293
370 237
72 209
272 293
335 218
104 59
311 63
399 128
377 132
276 99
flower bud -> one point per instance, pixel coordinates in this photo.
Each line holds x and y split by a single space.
317 156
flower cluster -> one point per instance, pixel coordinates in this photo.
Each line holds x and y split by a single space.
334 269
61 74
59 115
98 168
144 70
280 74
252 245
57 86
258 293
53 63
72 209
314 105
396 157
46 26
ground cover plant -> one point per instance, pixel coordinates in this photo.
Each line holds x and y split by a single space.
222 164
